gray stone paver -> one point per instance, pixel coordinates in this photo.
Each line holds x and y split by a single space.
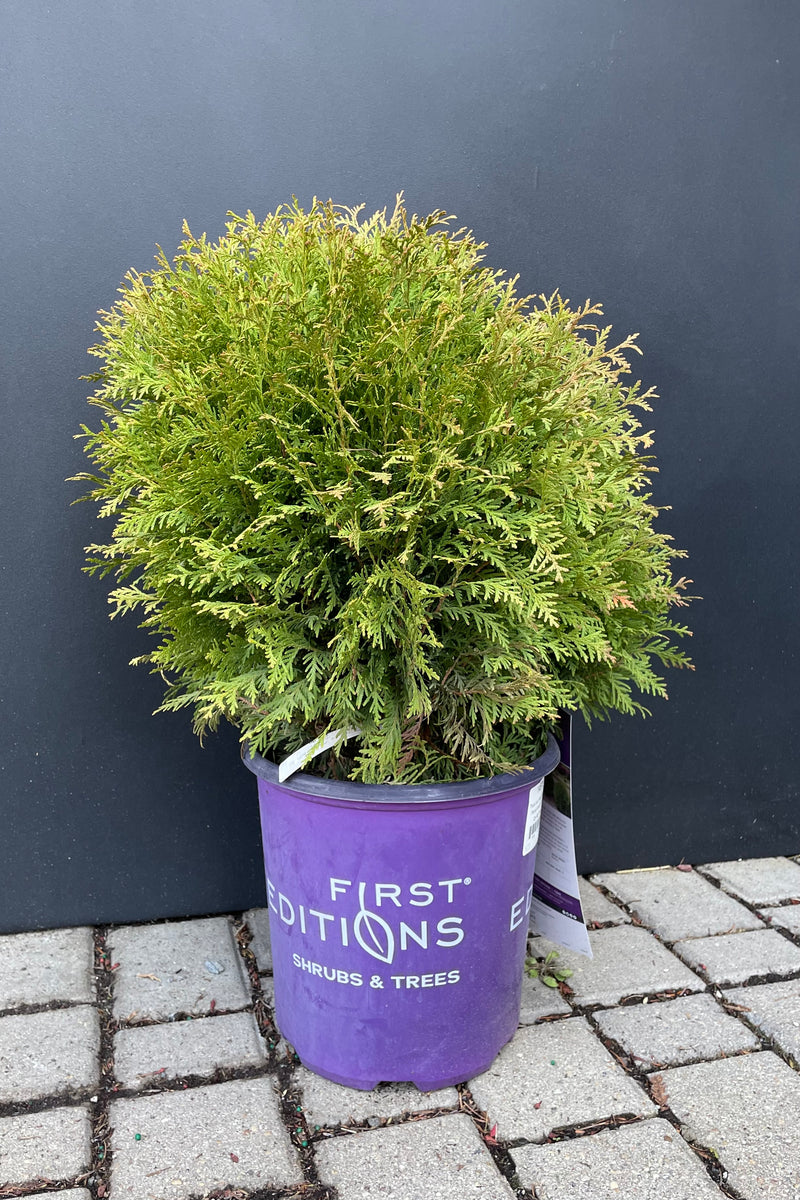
440 1159
678 904
49 1145
72 1194
539 1001
645 1161
327 1103
195 1141
555 1075
177 967
258 922
42 967
787 917
774 1008
48 1053
674 1032
597 908
736 957
759 881
628 961
182 1048
746 1110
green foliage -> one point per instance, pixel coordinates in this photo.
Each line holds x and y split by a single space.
356 481
548 970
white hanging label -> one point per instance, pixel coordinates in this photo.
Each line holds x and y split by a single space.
293 762
533 818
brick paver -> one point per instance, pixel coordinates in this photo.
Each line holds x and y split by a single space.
182 1048
555 1075
628 961
745 1109
645 1161
41 1146
40 968
675 1031
598 909
539 1001
327 1103
48 1053
72 1194
678 904
178 967
774 1008
440 1159
192 1142
786 917
736 957
758 881
258 922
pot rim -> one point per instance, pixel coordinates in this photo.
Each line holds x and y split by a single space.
304 784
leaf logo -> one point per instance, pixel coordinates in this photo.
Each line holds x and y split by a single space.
380 943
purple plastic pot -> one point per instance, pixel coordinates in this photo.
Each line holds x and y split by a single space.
398 918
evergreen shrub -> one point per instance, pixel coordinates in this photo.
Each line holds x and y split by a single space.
357 481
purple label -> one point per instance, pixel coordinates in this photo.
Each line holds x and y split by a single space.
570 906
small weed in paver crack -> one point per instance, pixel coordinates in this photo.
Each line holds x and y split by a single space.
547 969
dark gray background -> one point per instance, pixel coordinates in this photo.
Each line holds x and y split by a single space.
642 154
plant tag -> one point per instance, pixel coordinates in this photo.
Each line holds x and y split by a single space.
533 818
293 762
556 910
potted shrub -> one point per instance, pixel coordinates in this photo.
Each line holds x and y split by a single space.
363 492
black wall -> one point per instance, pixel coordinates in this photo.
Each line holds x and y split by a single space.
644 154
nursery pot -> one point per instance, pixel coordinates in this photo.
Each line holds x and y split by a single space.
398 918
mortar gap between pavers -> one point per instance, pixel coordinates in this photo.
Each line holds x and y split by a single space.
98 1178
29 1010
260 1007
187 1083
18 1191
581 1129
320 1132
498 1149
176 1018
40 1104
714 1168
290 1105
753 980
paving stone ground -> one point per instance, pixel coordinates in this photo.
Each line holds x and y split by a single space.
785 917
181 1048
773 1009
678 904
215 1109
758 881
627 961
552 1076
40 968
678 1031
645 1161
178 967
746 1110
190 1142
48 1053
737 957
327 1103
440 1159
47 1145
258 923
